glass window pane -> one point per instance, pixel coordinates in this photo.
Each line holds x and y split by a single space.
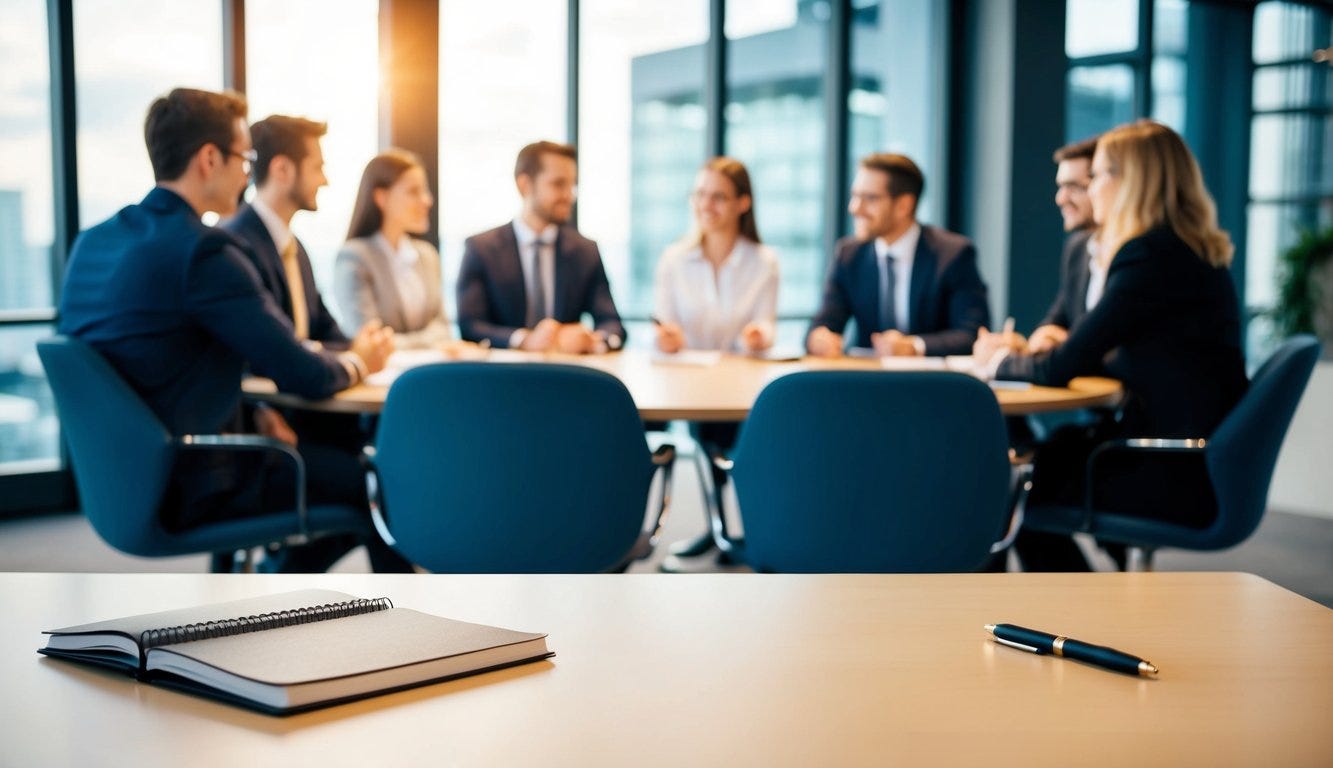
1168 91
1286 31
336 81
1095 27
1170 26
1296 86
896 108
502 85
642 120
26 207
125 55
29 431
775 125
1291 155
1099 98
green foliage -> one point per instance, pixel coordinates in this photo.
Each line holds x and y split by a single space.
1298 297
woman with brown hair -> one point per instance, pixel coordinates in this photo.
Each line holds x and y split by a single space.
1167 326
384 273
718 287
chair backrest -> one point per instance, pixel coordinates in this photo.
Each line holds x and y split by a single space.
512 468
1242 451
870 471
121 452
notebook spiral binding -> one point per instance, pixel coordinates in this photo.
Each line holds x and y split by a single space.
226 627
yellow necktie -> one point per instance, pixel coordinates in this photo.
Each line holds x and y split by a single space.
295 290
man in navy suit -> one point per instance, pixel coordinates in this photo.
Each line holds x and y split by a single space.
1072 176
912 289
527 284
177 309
288 174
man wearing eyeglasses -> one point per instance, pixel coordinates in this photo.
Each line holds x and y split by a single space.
177 309
528 283
1078 293
913 289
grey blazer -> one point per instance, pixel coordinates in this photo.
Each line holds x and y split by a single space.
366 289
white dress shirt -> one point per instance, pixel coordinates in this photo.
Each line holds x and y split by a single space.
1096 276
711 310
403 261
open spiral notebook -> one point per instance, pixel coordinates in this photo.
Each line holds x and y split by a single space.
294 651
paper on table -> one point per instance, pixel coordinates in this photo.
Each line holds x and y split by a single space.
912 363
699 357
403 360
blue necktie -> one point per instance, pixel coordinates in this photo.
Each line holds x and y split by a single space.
888 313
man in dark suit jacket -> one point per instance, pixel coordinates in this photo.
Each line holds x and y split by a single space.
288 174
177 309
527 284
913 289
1072 176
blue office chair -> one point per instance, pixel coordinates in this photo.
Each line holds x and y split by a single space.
1239 457
122 457
515 468
872 471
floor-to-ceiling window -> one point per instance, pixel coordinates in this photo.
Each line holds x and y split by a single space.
29 431
336 82
1291 146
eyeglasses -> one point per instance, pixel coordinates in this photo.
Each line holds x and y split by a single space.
717 198
248 156
1071 187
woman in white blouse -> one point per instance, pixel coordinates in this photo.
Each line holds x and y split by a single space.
384 273
718 287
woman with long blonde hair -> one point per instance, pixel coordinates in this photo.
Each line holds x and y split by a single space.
1167 326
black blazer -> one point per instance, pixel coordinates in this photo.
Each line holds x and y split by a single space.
492 295
1168 327
947 296
176 307
263 254
1070 304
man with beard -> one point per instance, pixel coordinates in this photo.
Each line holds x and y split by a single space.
176 308
288 174
527 284
912 289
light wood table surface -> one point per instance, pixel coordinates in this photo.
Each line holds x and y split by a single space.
724 391
727 669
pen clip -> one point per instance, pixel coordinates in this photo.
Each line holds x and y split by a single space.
1019 646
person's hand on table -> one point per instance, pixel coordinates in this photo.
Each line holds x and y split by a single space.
670 337
894 343
574 339
824 343
457 349
988 344
373 344
542 337
1046 338
754 338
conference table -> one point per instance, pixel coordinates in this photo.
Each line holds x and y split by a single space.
725 669
701 386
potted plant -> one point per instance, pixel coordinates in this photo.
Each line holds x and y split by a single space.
1305 288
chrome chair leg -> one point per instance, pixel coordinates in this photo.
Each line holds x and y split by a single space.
1139 560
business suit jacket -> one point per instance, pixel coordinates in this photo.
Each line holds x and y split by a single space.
947 298
366 288
1071 303
492 295
177 309
1168 327
263 253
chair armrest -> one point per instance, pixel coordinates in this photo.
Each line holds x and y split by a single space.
377 517
664 461
258 443
1132 445
1018 502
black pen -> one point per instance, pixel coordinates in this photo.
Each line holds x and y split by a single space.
655 320
1032 641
